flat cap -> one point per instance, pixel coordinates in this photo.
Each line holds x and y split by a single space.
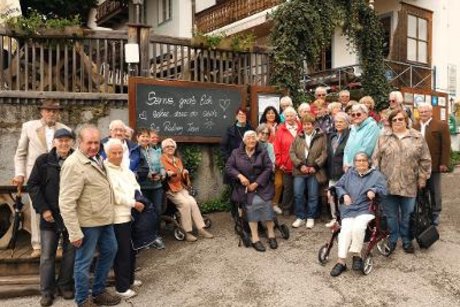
63 133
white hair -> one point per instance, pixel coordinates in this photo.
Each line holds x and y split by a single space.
116 123
290 110
333 105
360 107
286 100
110 143
248 134
303 106
397 95
425 105
320 89
346 92
344 116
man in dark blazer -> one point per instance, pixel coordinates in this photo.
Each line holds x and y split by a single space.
437 136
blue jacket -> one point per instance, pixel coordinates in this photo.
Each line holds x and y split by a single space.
138 164
357 186
361 138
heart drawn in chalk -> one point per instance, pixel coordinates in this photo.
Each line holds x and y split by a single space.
224 104
143 115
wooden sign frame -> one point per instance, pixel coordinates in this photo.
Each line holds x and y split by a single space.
132 96
255 92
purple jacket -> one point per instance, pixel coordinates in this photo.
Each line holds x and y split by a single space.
258 169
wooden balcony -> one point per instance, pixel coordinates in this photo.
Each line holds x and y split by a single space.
91 67
109 9
398 74
227 12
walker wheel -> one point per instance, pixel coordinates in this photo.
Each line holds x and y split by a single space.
284 231
323 254
368 264
179 234
207 222
383 248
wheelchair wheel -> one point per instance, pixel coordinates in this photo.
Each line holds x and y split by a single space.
383 248
368 264
207 222
323 254
179 234
284 231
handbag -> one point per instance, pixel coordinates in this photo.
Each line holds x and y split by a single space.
428 237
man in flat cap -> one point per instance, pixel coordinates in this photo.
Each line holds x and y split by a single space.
36 138
43 185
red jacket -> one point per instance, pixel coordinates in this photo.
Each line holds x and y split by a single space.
282 144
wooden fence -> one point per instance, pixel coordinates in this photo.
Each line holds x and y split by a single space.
89 65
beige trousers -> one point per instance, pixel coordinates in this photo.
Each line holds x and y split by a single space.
188 209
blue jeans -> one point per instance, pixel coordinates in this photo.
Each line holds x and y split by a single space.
49 241
398 210
308 211
102 237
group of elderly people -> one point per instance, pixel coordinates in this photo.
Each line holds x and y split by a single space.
139 174
345 144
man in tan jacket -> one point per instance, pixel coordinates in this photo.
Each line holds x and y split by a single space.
36 139
86 204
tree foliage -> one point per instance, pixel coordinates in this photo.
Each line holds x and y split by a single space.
303 28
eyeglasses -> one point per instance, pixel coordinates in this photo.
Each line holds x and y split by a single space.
265 133
323 95
391 100
169 146
361 160
397 119
356 114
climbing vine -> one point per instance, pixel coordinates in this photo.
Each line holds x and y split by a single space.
303 28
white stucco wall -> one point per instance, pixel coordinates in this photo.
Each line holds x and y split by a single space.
180 24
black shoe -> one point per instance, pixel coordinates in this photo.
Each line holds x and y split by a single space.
409 248
391 247
357 263
46 300
338 269
272 243
258 246
66 294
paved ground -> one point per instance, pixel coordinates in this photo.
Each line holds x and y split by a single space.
219 273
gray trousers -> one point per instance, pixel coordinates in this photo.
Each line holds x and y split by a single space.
434 186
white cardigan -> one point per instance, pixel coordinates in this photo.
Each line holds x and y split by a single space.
124 185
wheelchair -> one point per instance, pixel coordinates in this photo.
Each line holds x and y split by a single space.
377 235
171 216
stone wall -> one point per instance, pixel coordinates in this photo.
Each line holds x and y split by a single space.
208 180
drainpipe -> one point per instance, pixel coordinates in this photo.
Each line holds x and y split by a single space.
434 77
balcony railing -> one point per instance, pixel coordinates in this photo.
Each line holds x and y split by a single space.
110 8
227 12
91 66
398 74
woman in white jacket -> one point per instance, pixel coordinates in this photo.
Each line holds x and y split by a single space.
124 185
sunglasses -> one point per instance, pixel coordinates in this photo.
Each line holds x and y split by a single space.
397 119
391 100
356 114
323 95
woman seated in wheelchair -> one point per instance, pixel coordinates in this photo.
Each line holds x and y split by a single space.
179 195
355 190
251 168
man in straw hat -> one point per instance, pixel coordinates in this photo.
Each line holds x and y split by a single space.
36 138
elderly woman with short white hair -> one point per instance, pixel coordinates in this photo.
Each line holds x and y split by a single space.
251 168
285 135
303 109
124 185
363 135
179 195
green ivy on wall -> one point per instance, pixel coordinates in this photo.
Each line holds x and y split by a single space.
303 28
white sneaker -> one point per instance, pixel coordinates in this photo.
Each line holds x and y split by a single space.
297 223
277 209
127 294
310 223
331 223
137 283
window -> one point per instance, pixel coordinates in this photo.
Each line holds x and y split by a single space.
386 27
164 10
417 39
325 60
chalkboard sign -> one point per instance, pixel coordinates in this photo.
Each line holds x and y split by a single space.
186 111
